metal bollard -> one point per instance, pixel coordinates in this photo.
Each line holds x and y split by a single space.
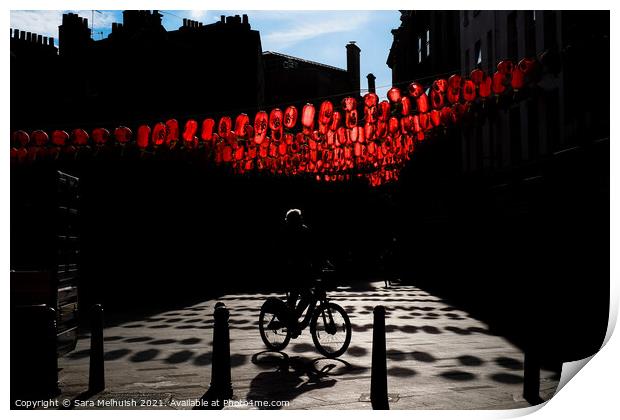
221 384
96 374
531 377
378 375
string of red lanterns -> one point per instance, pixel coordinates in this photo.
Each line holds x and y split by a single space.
331 143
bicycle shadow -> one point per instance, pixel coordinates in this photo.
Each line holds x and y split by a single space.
287 379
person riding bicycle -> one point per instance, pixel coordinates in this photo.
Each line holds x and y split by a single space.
300 252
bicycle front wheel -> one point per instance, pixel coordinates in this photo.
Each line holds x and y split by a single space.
330 328
272 324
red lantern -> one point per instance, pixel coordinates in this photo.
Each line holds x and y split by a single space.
530 69
122 134
382 127
240 122
349 104
326 112
458 112
79 137
100 136
454 88
275 119
393 125
436 117
39 137
499 82
517 81
440 85
249 132
261 120
275 123
476 76
446 115
336 121
437 99
290 117
351 118
425 122
394 95
354 133
454 82
206 133
484 89
369 131
505 67
405 105
371 100
144 132
21 138
59 138
406 124
158 136
416 89
172 131
224 126
189 133
422 103
384 111
469 91
307 118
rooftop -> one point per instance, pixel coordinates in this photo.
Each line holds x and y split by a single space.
290 57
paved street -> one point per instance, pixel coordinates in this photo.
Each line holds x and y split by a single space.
438 357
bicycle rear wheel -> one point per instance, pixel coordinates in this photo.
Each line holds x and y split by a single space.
330 328
272 324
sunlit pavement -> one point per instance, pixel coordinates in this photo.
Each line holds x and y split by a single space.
438 358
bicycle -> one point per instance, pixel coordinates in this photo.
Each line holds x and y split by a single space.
330 326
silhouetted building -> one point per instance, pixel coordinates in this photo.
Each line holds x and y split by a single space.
562 112
142 72
294 80
426 44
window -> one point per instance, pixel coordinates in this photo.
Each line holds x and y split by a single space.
478 54
513 46
419 49
428 42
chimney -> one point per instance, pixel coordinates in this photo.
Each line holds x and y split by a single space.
371 83
353 66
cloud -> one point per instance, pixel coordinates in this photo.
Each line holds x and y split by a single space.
198 14
313 26
42 22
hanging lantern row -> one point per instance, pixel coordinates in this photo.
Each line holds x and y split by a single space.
330 143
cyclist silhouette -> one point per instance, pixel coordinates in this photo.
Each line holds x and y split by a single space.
299 250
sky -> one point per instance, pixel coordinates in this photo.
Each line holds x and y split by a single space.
312 35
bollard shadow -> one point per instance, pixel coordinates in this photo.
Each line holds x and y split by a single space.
289 377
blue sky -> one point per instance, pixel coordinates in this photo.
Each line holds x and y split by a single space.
314 35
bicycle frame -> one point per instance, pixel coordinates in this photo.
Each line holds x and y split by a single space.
319 296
